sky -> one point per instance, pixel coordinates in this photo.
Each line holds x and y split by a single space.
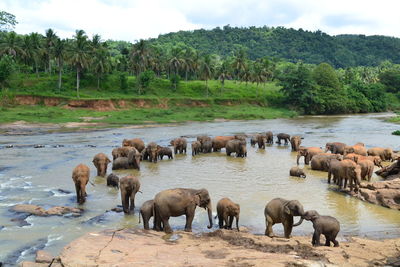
133 20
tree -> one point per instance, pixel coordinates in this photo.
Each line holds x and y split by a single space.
206 70
101 60
7 21
59 53
324 75
140 56
10 45
391 80
259 75
6 69
239 62
175 62
50 38
223 74
79 55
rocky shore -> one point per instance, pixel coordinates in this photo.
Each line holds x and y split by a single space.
134 247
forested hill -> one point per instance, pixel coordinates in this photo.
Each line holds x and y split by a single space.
290 44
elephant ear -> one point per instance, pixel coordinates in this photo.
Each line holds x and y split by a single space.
108 160
197 199
286 209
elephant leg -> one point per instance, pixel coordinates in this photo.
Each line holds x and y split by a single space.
83 193
226 220
287 228
327 241
125 201
78 193
167 227
132 201
334 241
157 219
316 237
189 219
230 222
329 177
268 223
175 150
220 221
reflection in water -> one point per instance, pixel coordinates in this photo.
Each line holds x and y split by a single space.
29 175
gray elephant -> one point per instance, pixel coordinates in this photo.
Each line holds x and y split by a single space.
253 140
280 210
295 142
130 162
308 153
344 170
283 136
383 153
326 225
180 201
296 171
236 146
270 137
203 139
179 145
151 152
320 162
335 147
227 210
196 148
261 139
164 151
206 147
147 211
129 186
113 180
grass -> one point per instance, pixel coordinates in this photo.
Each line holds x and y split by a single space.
44 114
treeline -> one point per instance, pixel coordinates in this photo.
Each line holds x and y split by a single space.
309 88
292 45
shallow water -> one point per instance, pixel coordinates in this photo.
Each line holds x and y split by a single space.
33 175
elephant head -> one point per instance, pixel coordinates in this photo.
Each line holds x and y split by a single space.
203 200
101 162
310 215
348 150
134 157
302 152
125 142
294 208
328 147
388 154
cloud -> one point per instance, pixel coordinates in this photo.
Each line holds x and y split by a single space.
133 20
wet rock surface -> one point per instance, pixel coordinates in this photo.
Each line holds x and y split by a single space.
39 211
132 247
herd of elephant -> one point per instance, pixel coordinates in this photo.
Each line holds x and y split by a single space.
343 162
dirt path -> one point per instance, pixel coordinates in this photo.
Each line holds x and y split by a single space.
132 247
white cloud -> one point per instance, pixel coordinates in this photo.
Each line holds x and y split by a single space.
132 20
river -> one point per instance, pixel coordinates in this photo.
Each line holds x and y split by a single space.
34 175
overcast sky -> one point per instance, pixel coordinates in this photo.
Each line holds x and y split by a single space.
133 20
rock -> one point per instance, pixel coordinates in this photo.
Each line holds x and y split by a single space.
389 198
39 211
33 264
43 256
38 146
368 195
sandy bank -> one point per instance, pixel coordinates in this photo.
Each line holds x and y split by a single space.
133 247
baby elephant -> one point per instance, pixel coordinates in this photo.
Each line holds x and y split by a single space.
147 211
113 180
296 171
226 211
326 225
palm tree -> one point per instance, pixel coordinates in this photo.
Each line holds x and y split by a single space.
101 63
176 61
224 73
206 70
239 62
59 53
140 56
258 75
50 38
79 55
10 45
37 49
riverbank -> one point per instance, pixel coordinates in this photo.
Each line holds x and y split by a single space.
134 247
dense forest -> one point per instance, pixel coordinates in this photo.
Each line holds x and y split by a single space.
289 44
306 67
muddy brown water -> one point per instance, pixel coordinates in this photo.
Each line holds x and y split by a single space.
34 175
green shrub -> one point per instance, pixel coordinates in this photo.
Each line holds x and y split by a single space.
396 132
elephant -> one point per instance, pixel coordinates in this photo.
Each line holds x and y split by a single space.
280 210
206 147
283 136
367 169
356 149
203 139
295 142
130 162
326 225
320 161
296 171
147 211
80 176
241 137
383 153
179 145
253 140
180 201
151 152
121 152
236 146
196 148
101 162
335 147
219 142
346 170
113 180
356 157
261 139
164 151
135 142
308 153
270 137
227 210
129 186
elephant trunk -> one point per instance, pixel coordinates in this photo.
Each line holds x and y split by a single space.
299 222
209 210
298 157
